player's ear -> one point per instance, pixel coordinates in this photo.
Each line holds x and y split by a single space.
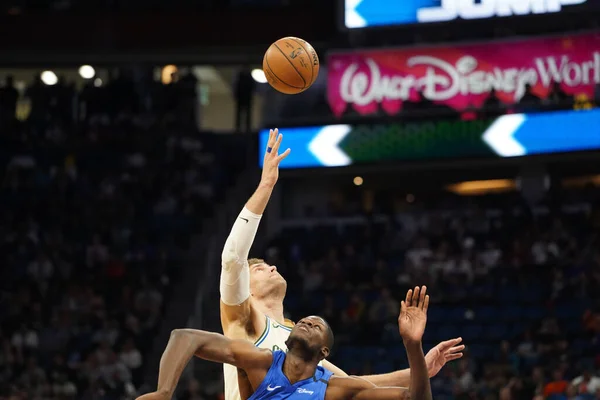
324 352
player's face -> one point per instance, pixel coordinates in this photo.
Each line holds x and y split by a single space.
313 332
263 277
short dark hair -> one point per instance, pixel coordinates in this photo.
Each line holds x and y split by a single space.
330 337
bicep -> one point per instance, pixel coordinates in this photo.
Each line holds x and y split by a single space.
239 353
211 346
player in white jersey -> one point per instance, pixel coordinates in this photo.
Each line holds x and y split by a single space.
252 291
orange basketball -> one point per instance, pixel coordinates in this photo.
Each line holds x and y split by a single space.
291 65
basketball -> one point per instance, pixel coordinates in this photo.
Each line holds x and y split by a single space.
291 65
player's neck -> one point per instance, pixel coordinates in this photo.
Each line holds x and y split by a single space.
273 309
297 368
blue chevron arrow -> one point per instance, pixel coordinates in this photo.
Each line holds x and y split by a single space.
555 132
366 13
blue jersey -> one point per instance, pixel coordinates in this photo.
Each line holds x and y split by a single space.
277 386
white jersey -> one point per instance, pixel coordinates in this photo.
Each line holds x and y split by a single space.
273 338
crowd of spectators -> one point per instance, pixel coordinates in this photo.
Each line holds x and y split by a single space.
126 92
96 213
520 284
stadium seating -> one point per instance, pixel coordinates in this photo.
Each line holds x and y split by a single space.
520 315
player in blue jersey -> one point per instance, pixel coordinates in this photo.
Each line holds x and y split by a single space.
296 374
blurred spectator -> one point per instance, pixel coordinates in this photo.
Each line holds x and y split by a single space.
507 283
8 100
244 92
96 215
586 383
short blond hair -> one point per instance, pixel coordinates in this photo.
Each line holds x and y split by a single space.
255 261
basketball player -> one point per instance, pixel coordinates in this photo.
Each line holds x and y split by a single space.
296 375
252 292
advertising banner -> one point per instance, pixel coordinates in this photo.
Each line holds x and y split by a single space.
512 135
374 13
461 77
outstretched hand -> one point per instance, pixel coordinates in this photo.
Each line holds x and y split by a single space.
445 351
413 314
270 171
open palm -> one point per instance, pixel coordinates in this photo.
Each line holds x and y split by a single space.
272 159
445 351
413 314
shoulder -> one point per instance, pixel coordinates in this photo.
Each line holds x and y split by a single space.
249 355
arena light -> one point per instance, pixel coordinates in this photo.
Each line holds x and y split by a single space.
472 188
258 75
166 75
49 78
582 181
87 71
358 180
97 82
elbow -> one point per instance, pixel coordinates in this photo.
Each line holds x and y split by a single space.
183 336
161 394
229 255
175 333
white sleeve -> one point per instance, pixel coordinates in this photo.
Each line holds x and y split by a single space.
235 272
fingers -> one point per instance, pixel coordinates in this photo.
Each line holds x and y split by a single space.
454 356
415 296
423 297
283 155
445 345
273 145
455 349
277 142
418 297
272 137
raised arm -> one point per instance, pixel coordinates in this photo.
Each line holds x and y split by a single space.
412 322
235 272
185 343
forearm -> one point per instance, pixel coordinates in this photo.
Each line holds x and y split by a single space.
182 346
399 378
235 274
420 387
257 203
